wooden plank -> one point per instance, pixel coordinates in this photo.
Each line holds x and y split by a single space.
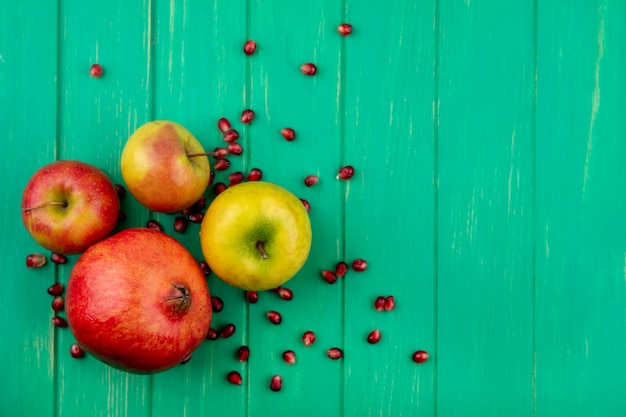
485 209
581 232
390 207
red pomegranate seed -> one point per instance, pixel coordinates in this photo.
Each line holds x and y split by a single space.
285 293
373 337
311 180
334 353
420 356
211 334
288 133
76 351
249 47
379 303
35 260
341 269
58 321
234 377
120 190
235 178
121 217
359 265
180 224
235 148
329 276
276 383
243 353
255 174
219 187
227 331
217 304
344 29
58 303
390 303
96 71
345 173
204 266
154 225
211 178
185 359
306 204
274 317
231 135
275 289
221 164
220 153
308 68
252 296
289 356
247 116
58 258
308 338
56 289
196 217
223 125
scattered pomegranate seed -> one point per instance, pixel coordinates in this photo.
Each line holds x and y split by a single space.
231 135
211 178
196 217
308 69
329 276
185 359
211 334
35 260
219 187
220 153
235 178
274 317
374 336
285 293
227 331
308 338
390 303
276 383
344 29
58 303
255 174
56 289
121 217
334 353
420 356
180 224
221 164
58 258
289 356
311 180
252 296
200 204
243 353
306 204
247 116
235 148
154 225
223 125
288 133
359 265
204 266
345 173
249 47
275 289
217 304
234 377
341 269
58 321
120 190
96 71
76 351
379 303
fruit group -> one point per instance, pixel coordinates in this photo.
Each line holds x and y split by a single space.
138 301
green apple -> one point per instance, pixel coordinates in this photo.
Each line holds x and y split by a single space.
256 235
165 167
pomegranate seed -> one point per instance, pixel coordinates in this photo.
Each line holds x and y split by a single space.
234 377
76 351
219 187
58 321
221 164
289 357
211 178
374 336
217 304
96 71
154 225
390 303
243 353
235 178
35 260
274 317
308 338
275 289
249 47
308 69
288 133
220 153
276 383
211 334
345 173
55 289
255 174
285 294
420 356
359 265
121 217
311 180
306 204
196 217
344 29
227 331
223 125
341 269
379 303
58 303
231 135
120 190
329 276
58 258
180 224
252 296
185 359
247 116
334 353
235 148
204 266
200 204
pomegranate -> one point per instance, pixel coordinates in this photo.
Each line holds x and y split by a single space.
138 301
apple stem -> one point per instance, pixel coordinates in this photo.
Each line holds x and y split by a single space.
259 246
46 204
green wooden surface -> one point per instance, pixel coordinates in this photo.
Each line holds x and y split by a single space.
489 144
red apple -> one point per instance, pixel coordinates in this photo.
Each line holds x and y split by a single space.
68 206
138 301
